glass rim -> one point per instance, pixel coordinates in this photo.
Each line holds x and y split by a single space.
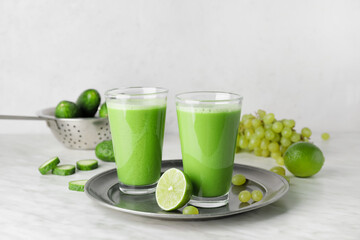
235 97
115 93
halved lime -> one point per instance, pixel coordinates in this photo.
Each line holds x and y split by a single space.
173 190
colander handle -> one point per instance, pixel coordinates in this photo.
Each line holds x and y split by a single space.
16 117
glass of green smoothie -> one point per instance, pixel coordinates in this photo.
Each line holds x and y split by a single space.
137 122
208 126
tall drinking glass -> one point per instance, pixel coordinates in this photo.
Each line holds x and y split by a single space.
137 122
208 125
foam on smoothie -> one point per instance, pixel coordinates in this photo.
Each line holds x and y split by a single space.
136 104
213 108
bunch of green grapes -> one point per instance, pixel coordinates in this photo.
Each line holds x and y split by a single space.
268 137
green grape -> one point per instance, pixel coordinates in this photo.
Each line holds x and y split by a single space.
261 113
278 170
277 127
325 136
256 195
254 141
264 144
247 123
243 142
249 132
267 126
256 123
244 196
289 123
273 147
283 149
257 151
285 142
269 118
269 134
275 155
265 153
286 132
190 210
247 116
306 132
280 161
295 137
277 137
238 179
260 132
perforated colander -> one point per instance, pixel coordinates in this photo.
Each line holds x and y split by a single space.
75 133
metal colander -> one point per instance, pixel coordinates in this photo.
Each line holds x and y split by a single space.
75 133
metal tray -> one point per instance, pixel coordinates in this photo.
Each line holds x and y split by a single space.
104 189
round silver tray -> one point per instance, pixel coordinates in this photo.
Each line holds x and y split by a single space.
104 189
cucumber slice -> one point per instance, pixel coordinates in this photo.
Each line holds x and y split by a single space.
63 170
49 165
77 185
88 164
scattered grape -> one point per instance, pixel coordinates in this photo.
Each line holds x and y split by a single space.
190 210
278 170
325 136
244 196
238 179
256 195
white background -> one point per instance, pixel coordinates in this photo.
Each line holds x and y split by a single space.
297 59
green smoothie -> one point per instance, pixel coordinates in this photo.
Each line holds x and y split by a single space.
208 141
137 134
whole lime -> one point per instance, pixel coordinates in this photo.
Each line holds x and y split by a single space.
67 109
88 102
303 159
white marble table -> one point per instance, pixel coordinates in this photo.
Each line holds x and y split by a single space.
33 206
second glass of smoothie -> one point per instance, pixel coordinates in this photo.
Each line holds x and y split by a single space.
137 122
208 125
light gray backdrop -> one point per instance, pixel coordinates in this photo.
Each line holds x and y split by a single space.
298 59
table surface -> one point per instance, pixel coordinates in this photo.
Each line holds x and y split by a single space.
35 206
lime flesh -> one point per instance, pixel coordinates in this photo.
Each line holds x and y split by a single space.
173 190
